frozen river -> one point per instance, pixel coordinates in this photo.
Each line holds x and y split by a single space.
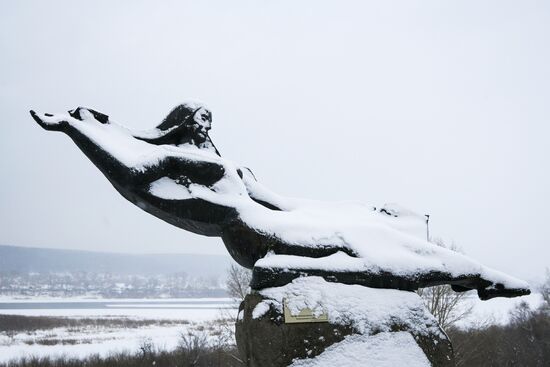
190 309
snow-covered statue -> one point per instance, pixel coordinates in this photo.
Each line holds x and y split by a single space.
175 173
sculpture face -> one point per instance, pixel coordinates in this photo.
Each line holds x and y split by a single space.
175 173
203 122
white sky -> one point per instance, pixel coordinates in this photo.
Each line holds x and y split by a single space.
441 106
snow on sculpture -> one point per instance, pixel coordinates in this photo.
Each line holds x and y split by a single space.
175 173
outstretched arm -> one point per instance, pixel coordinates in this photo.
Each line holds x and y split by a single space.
120 156
154 177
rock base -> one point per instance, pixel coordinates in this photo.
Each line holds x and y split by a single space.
264 338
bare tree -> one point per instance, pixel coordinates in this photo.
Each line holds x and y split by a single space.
446 305
238 281
193 346
545 291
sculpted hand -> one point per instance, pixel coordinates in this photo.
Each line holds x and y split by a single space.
59 122
50 122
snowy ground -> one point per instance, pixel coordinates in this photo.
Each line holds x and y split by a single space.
370 351
187 315
86 341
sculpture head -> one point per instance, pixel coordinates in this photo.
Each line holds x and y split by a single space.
188 123
193 116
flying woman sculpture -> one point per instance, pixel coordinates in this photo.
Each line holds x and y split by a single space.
175 173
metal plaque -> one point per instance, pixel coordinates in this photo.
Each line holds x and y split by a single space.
305 315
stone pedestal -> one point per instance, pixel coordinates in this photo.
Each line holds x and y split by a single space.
269 335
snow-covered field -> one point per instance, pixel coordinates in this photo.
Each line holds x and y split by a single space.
186 315
180 316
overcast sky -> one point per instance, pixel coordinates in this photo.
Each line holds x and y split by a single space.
440 106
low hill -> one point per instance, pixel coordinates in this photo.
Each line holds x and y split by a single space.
44 260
